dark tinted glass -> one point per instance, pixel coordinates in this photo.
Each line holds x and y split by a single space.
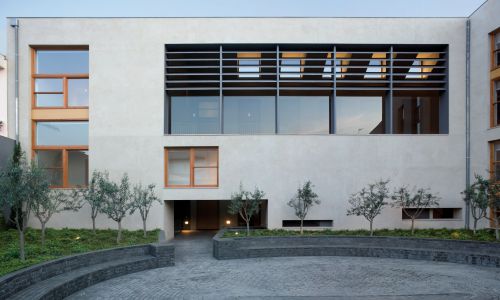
416 115
51 163
249 114
195 115
62 62
78 168
358 115
304 115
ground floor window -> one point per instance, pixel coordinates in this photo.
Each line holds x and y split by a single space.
192 167
64 167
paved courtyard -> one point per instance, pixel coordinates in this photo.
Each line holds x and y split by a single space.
198 275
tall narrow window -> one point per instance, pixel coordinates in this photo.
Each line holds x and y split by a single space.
495 85
495 47
192 167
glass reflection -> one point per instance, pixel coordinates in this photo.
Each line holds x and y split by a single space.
62 133
195 115
304 114
358 115
62 62
249 114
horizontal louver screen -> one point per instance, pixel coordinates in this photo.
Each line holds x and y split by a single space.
211 69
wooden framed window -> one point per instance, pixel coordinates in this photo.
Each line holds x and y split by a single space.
495 49
192 167
60 77
61 150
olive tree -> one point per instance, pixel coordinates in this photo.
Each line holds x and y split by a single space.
93 195
54 202
477 198
370 201
494 203
142 200
22 184
303 201
246 204
413 203
117 201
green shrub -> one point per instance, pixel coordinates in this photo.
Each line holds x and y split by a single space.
61 242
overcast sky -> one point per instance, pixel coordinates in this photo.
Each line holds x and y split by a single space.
231 8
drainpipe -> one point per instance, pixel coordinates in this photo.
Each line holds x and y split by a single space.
15 24
467 120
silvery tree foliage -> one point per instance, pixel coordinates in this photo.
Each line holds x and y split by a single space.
246 204
303 201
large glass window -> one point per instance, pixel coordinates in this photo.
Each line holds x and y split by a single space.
62 133
61 78
192 167
62 62
358 115
195 115
304 114
249 114
414 114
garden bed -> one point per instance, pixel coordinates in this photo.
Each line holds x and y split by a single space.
485 235
275 243
62 242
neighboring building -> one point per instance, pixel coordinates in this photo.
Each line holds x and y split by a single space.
198 105
3 95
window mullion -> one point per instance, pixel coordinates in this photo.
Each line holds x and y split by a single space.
65 167
191 166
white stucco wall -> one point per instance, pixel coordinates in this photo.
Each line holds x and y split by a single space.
3 94
482 22
126 115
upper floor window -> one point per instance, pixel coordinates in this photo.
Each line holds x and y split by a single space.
61 78
495 49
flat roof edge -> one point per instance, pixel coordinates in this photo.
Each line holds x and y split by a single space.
245 17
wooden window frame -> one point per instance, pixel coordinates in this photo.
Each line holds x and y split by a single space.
492 171
64 76
64 149
192 167
493 51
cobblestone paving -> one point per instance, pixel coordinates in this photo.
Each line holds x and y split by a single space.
197 275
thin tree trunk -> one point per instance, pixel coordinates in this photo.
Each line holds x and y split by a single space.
93 225
248 227
497 231
43 234
21 245
144 227
412 226
475 226
119 236
371 228
301 226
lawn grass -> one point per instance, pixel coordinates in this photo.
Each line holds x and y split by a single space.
62 242
452 234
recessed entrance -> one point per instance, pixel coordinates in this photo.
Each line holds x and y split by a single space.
211 215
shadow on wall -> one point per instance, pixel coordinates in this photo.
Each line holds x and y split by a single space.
6 151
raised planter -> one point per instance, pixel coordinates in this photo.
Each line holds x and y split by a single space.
464 252
61 277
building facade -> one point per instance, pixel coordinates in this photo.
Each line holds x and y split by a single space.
199 105
3 95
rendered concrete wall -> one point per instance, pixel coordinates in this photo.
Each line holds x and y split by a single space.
483 21
126 115
3 95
